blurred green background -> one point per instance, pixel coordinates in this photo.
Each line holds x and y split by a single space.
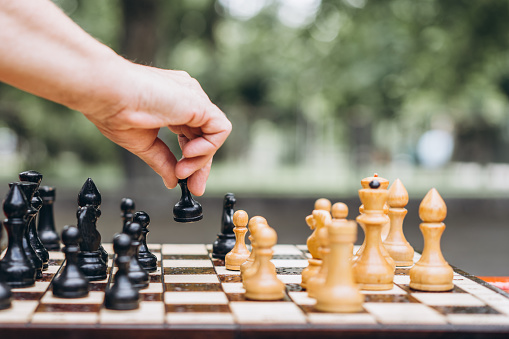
320 95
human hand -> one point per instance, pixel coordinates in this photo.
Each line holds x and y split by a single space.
149 98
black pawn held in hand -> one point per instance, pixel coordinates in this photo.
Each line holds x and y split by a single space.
90 258
127 207
15 267
139 277
33 237
226 239
147 259
46 223
122 295
187 209
71 283
28 189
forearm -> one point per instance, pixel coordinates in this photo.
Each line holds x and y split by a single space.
44 52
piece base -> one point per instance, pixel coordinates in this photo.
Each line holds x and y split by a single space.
70 294
376 287
232 267
432 288
188 220
345 308
404 263
265 296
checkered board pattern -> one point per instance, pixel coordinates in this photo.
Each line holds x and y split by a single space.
190 289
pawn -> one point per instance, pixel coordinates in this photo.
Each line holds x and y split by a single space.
122 295
147 259
16 269
71 283
225 240
432 272
339 293
316 282
239 254
187 209
127 211
46 223
340 212
137 273
253 268
264 284
254 222
395 243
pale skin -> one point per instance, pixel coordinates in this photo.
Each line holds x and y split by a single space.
44 52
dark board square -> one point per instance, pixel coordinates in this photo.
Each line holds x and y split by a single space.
97 287
47 277
197 308
294 288
230 278
68 308
218 262
402 271
188 287
289 270
186 256
155 278
27 295
189 270
389 298
151 297
288 257
241 297
312 309
465 309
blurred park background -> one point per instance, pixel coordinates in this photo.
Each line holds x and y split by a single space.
320 93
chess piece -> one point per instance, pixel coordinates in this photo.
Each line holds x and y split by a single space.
33 237
15 267
90 258
314 283
339 293
340 212
239 254
71 283
432 272
147 259
122 295
264 284
395 243
371 270
29 189
127 211
139 277
384 184
315 221
253 225
187 209
323 204
46 223
226 239
5 294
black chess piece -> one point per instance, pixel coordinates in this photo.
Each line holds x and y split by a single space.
5 290
187 209
122 295
90 257
139 277
127 207
147 259
226 239
33 237
71 283
16 269
28 189
46 223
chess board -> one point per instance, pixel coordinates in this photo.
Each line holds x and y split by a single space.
192 294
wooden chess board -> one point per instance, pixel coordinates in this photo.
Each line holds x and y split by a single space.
194 295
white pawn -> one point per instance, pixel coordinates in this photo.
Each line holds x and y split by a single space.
239 254
339 292
264 284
